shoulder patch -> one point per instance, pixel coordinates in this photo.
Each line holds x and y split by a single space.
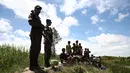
29 17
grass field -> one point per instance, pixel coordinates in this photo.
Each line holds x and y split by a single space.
14 59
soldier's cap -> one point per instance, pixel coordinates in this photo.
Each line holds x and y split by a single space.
38 7
48 20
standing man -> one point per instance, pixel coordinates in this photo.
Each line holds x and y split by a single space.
48 35
77 47
68 48
35 37
80 49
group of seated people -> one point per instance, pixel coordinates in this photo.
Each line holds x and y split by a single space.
77 50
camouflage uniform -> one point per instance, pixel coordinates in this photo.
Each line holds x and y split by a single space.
48 43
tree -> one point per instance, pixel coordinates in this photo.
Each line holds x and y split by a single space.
56 39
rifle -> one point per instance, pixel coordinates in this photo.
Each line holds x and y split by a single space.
46 37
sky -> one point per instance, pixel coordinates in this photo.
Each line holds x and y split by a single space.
103 26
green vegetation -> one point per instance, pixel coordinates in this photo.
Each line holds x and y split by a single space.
14 59
117 66
82 69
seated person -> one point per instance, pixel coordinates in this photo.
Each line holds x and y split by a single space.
85 57
93 59
86 53
63 56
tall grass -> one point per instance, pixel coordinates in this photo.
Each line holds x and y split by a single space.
82 69
12 58
123 63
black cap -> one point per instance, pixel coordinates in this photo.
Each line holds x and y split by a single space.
48 20
38 7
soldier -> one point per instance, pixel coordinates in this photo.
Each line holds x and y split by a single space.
48 39
35 37
68 48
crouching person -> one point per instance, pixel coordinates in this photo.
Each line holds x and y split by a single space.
63 56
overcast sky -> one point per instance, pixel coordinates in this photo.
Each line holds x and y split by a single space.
103 26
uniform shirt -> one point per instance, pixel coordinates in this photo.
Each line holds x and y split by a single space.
49 34
35 23
68 48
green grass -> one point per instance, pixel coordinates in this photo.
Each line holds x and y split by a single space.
82 69
116 68
14 59
124 63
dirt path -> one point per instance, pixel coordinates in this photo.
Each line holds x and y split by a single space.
45 70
